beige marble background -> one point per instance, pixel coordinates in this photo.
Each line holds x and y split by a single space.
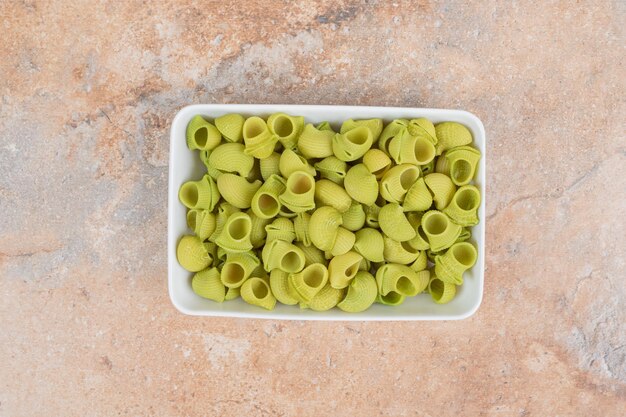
87 93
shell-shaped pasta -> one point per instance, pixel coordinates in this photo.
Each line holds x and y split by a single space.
343 268
394 223
308 282
257 229
397 181
354 218
391 299
450 266
266 202
407 149
421 262
391 130
286 212
207 284
465 235
361 185
286 128
420 241
312 254
399 252
369 243
423 127
365 265
231 294
315 143
344 241
374 125
442 189
282 255
299 195
323 226
352 144
301 228
459 164
257 137
202 194
361 294
193 254
256 291
202 222
279 284
202 134
327 298
450 135
211 171
281 229
333 169
238 268
418 198
237 190
325 126
377 162
224 210
231 157
270 166
399 278
463 209
235 235
441 292
440 230
230 126
371 216
291 162
327 193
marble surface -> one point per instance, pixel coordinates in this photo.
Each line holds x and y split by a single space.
87 94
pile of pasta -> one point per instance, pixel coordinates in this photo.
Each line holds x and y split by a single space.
300 214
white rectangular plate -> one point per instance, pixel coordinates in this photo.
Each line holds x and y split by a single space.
185 165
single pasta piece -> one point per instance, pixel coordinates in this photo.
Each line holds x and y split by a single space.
327 298
202 222
465 235
343 268
207 284
202 134
299 194
325 126
281 229
333 169
450 135
371 216
308 282
257 229
270 166
238 268
291 162
399 252
301 228
282 255
370 244
323 226
231 294
441 292
400 279
352 144
315 143
203 194
423 127
463 209
354 218
361 293
394 223
365 265
392 129
237 190
450 266
231 157
374 125
407 149
224 210
440 230
193 254
459 164
361 185
442 189
397 181
421 262
265 202
327 193
230 126
256 291
418 198
391 299
257 137
211 171
312 254
377 162
279 284
344 241
235 235
286 128
420 241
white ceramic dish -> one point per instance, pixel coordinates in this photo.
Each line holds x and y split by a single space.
185 165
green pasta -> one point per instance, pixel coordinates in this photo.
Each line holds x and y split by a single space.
407 149
231 157
463 209
238 268
299 195
279 284
308 282
281 229
312 254
394 223
257 137
203 194
441 292
361 294
230 126
440 230
377 162
369 243
193 254
459 164
207 284
418 198
301 228
235 235
390 131
286 128
352 144
315 143
231 294
224 210
266 202
202 135
391 299
343 268
450 135
399 252
442 189
374 125
333 169
327 193
371 216
396 182
354 218
423 127
256 291
361 185
237 190
202 222
400 279
421 262
327 298
211 171
282 255
323 226
450 266
270 166
257 229
344 241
